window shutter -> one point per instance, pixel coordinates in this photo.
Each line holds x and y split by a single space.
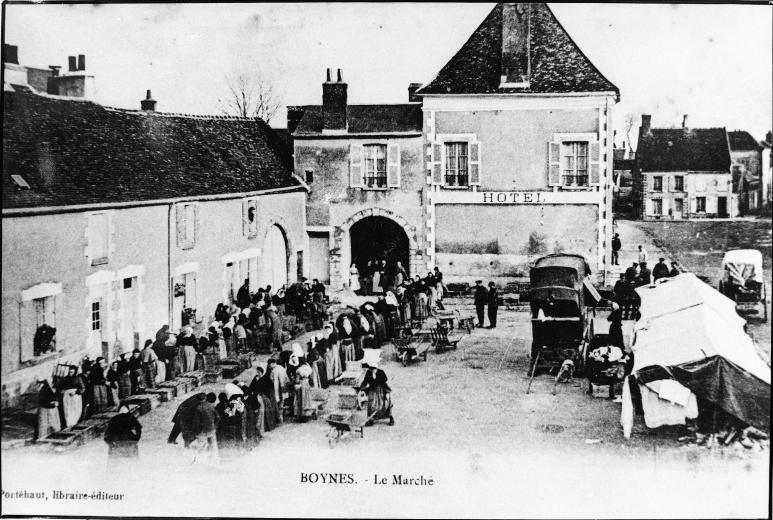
245 217
393 167
474 154
356 165
648 206
437 163
27 330
595 163
180 214
196 224
554 164
670 183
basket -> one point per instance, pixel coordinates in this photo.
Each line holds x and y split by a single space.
347 401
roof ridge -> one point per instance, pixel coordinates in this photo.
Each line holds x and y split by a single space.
178 114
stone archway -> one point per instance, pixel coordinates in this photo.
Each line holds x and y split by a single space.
340 253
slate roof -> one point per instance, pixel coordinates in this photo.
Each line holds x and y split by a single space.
78 152
557 63
741 141
363 119
678 149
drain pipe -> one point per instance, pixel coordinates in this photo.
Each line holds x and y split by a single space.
169 282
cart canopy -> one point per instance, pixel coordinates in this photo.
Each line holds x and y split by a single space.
577 262
743 264
691 333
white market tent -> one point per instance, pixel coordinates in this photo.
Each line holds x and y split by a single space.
691 333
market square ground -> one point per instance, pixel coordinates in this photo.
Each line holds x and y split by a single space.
462 418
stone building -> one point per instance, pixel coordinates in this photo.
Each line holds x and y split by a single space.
116 222
365 171
518 141
683 173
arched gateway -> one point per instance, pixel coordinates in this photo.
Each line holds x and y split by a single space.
372 233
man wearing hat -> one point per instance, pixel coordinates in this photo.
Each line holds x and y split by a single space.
660 270
481 295
616 246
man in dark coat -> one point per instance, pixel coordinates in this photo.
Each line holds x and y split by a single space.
481 296
660 270
493 305
631 272
674 269
616 246
645 275
122 434
243 297
183 420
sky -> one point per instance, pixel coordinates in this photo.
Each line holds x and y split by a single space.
712 62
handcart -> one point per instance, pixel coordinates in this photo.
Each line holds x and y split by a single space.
348 418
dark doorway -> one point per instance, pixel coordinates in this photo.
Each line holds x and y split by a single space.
722 206
379 238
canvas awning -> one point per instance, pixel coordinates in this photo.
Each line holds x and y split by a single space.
691 333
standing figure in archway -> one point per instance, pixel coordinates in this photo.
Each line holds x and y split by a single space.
400 274
376 288
354 278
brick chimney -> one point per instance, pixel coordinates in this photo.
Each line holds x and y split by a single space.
646 121
412 97
516 59
334 104
148 104
75 82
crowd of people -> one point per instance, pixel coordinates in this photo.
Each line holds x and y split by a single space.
638 275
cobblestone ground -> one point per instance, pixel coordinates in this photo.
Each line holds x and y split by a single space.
463 418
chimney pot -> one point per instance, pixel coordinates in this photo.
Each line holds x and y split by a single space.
148 104
81 62
72 65
55 69
329 75
684 121
334 101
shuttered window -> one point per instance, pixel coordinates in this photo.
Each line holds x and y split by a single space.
457 171
375 166
575 160
250 217
99 238
187 224
574 164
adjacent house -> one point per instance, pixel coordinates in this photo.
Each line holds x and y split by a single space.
746 157
365 170
117 222
683 173
518 149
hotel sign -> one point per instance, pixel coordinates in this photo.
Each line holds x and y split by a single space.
517 197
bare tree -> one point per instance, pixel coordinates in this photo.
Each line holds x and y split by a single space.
628 123
250 96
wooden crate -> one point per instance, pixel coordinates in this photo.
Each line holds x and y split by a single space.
164 393
212 376
62 440
196 375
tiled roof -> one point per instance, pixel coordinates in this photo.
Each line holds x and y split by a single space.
742 141
364 119
557 63
679 149
77 152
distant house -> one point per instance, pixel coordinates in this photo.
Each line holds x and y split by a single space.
623 165
116 222
746 157
683 173
766 171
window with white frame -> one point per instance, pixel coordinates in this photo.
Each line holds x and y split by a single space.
574 163
186 297
700 204
96 315
657 206
44 340
457 164
375 165
678 183
657 183
99 238
186 224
